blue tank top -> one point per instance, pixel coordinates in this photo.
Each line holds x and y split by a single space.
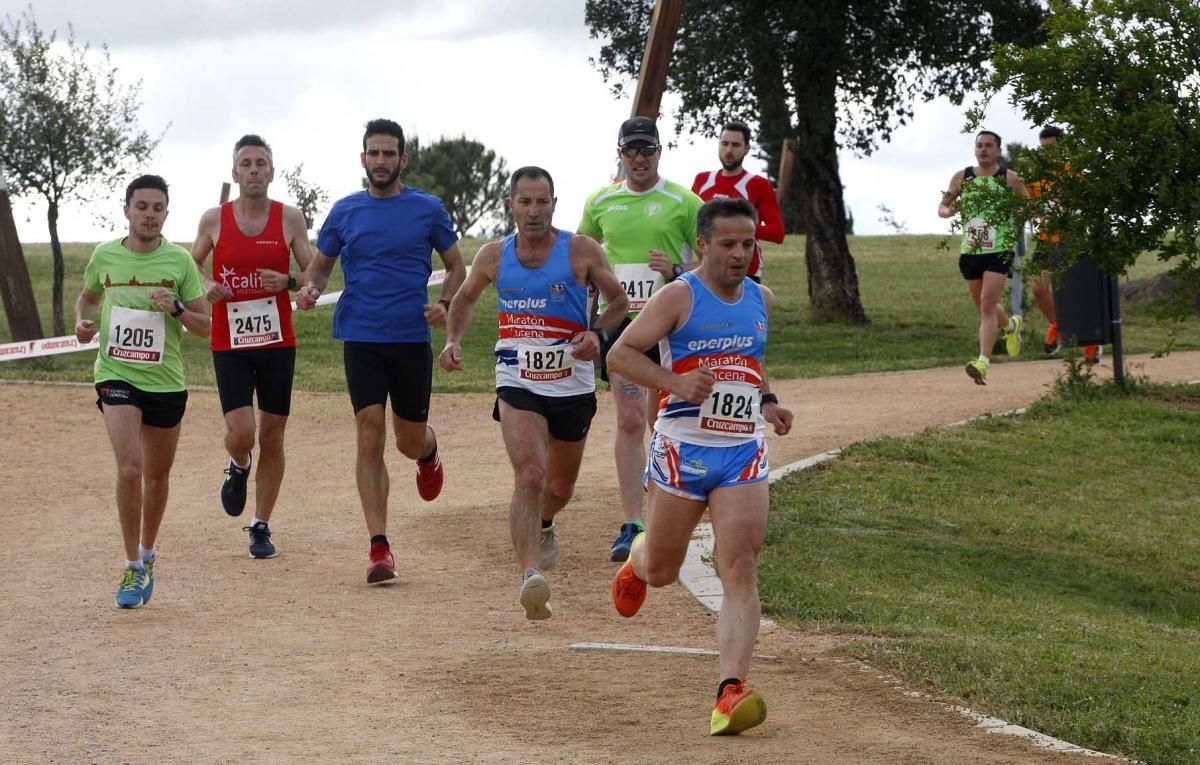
729 339
541 309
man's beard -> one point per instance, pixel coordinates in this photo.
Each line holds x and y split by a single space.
730 167
381 185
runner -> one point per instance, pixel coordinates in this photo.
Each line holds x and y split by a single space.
989 240
732 181
145 289
384 236
709 448
545 381
647 225
252 240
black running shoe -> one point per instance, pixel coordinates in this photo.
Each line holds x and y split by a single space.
233 491
261 545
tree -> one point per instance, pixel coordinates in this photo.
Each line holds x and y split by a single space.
470 179
309 196
794 68
1122 78
67 126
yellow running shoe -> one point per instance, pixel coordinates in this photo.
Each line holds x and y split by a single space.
977 370
738 709
1012 340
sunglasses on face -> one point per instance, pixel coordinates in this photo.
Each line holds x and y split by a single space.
645 151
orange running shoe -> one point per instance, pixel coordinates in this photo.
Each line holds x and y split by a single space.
738 709
382 567
1092 354
628 591
1051 345
430 475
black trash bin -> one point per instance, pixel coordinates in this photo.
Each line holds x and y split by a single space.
1083 303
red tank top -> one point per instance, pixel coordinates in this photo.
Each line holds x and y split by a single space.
253 318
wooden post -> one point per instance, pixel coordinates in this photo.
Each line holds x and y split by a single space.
787 158
652 80
224 193
15 287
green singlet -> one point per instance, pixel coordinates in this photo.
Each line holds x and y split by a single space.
982 233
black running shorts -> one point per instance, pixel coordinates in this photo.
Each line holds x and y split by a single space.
266 372
973 266
159 410
403 371
568 417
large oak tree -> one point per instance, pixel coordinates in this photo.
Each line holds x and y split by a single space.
828 73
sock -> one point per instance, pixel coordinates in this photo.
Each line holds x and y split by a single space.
429 457
135 564
147 555
258 520
986 361
249 459
725 682
379 539
547 524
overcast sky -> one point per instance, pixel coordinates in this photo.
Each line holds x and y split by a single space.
513 74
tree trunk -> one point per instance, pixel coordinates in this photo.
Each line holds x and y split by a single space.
832 277
60 327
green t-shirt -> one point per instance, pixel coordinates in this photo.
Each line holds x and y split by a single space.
986 229
631 223
139 343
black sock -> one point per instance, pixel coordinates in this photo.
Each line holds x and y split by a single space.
380 538
547 524
429 457
725 682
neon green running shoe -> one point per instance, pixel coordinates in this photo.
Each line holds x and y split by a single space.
1012 340
977 370
738 709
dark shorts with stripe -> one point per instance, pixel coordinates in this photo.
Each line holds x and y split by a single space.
401 371
159 410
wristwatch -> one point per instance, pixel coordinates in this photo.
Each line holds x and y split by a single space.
179 309
601 333
676 271
291 285
770 398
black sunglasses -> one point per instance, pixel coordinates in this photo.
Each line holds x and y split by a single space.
645 151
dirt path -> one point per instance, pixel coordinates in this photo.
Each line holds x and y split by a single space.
296 660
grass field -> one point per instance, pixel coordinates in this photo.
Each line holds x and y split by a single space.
1045 568
920 317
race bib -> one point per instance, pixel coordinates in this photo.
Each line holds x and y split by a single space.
979 235
731 410
545 363
639 281
136 336
254 322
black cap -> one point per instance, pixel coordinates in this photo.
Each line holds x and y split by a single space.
637 129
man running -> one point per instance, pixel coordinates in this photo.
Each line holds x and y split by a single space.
146 290
732 181
545 382
648 226
709 448
988 243
252 240
384 236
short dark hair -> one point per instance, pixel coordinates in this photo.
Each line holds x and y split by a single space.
384 127
532 172
252 139
722 207
146 182
740 127
1052 131
993 134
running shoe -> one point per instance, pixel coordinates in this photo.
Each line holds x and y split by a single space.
548 551
382 567
148 590
131 591
1092 354
535 595
430 475
1012 340
977 369
628 591
233 491
738 709
261 545
620 546
1051 345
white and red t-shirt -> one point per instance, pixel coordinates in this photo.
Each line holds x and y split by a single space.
253 317
759 192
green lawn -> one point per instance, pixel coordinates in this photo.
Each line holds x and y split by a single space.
920 317
1044 568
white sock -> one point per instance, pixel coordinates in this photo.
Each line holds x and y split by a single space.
147 555
258 520
241 467
135 564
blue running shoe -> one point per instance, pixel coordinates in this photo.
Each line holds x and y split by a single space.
148 590
131 592
624 540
